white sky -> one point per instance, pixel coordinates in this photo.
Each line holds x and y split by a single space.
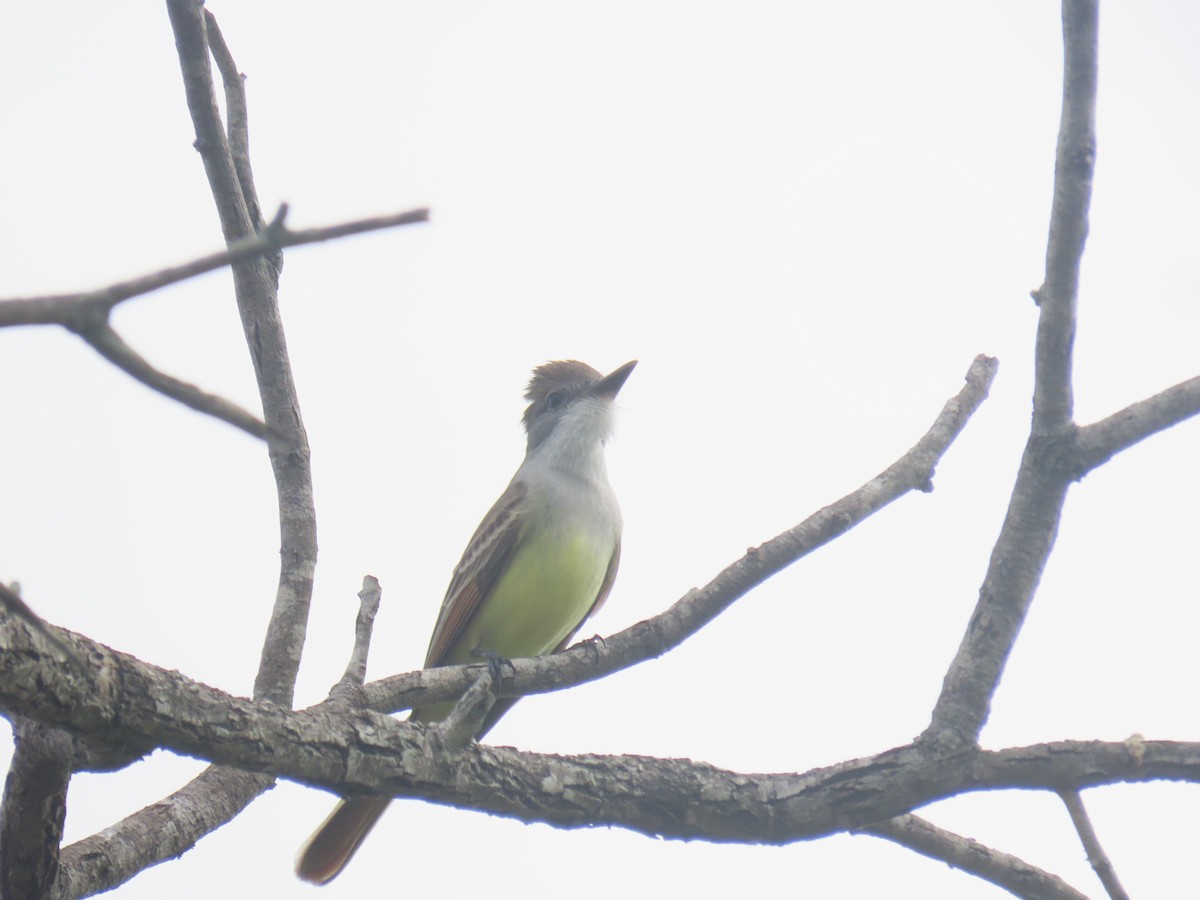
805 219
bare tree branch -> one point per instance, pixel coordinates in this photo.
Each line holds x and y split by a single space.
109 344
1091 844
1002 869
256 288
1074 165
172 826
653 637
78 311
10 600
1031 522
161 831
364 625
35 807
371 753
238 115
1099 442
114 707
465 720
87 313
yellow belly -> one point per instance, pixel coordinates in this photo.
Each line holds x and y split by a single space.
543 596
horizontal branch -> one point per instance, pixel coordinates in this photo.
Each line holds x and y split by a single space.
366 753
1099 442
77 310
653 637
87 313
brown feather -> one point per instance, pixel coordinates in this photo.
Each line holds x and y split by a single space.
482 563
334 843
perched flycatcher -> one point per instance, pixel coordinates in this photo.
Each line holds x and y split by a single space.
541 562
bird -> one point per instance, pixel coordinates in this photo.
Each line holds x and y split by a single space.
542 561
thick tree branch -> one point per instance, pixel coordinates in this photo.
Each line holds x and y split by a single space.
367 753
10 600
35 806
1031 522
655 636
1099 860
1002 869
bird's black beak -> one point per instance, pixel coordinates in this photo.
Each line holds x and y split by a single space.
610 385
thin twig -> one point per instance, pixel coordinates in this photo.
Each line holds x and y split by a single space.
237 113
105 341
1002 869
75 310
1091 844
467 716
87 313
364 625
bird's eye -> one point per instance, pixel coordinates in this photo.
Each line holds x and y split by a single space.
554 400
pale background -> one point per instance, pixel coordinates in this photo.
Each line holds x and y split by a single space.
805 219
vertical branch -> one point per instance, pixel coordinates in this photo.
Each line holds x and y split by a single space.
238 112
1048 463
256 285
1075 160
35 806
172 826
364 624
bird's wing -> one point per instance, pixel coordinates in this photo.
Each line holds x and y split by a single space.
485 558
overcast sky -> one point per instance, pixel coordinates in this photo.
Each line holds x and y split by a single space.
804 219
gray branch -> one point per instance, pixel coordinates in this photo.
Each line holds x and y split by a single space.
1099 860
35 807
1002 869
371 753
364 625
1048 463
173 825
1099 442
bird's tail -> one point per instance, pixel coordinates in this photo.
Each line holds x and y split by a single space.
334 843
